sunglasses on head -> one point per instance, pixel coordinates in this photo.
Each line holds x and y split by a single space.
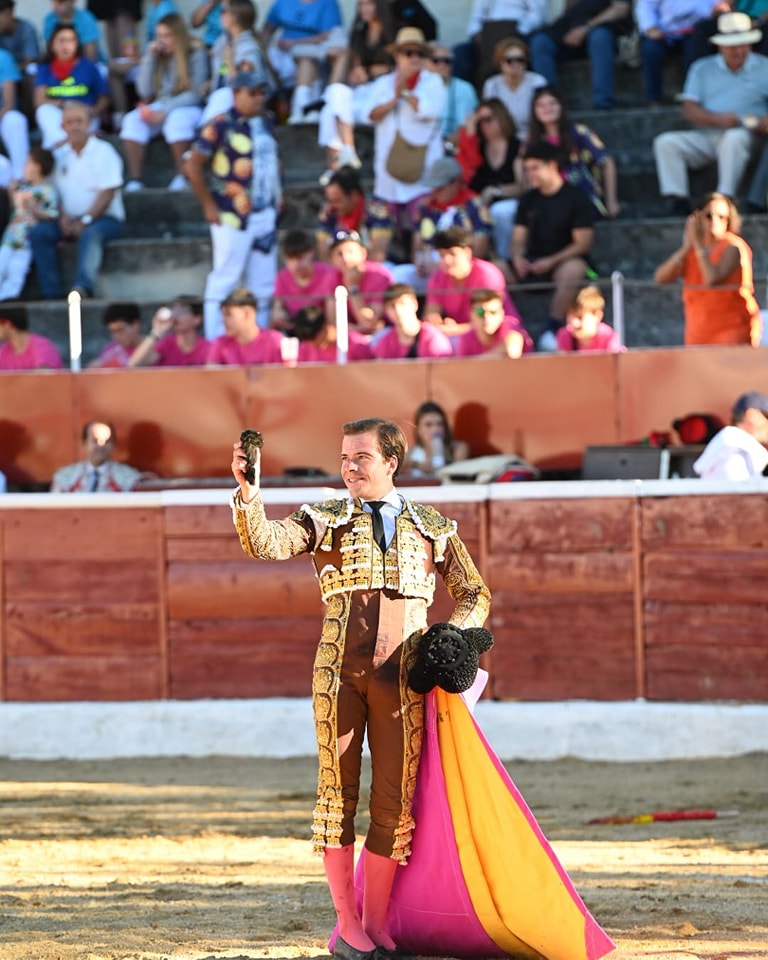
447 60
341 235
411 52
513 59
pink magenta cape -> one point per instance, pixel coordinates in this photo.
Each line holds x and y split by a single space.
482 880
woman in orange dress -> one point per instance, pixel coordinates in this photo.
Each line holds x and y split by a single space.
716 267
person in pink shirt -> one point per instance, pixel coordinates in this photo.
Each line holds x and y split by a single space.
493 332
20 349
450 287
408 337
317 338
364 279
123 322
302 282
244 341
585 330
175 339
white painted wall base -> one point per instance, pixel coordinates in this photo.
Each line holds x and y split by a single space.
625 732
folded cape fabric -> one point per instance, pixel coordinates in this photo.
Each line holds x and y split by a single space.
482 881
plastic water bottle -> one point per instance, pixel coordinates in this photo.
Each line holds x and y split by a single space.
438 451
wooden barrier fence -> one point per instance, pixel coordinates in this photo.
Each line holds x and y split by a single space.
606 591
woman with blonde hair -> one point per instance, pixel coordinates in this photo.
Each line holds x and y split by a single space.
514 84
715 265
171 79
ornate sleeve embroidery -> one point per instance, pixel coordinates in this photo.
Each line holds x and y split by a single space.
465 585
270 539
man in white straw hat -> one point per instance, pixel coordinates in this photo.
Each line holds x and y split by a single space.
725 98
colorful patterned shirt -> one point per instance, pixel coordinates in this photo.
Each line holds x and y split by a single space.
244 165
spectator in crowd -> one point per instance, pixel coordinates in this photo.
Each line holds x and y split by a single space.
434 443
408 337
514 84
242 198
67 76
122 321
207 15
738 452
664 27
406 107
585 330
302 282
34 199
236 50
345 107
493 332
170 83
318 341
586 27
97 472
488 149
19 38
364 279
490 21
123 68
175 339
553 235
88 175
715 265
20 349
584 161
308 30
85 24
725 100
369 36
460 96
450 287
348 209
450 203
244 341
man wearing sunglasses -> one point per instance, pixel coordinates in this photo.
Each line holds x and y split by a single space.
243 199
460 96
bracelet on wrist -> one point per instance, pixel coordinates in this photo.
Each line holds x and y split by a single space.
153 336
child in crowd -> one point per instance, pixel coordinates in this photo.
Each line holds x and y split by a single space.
492 331
123 322
302 282
585 329
175 339
34 199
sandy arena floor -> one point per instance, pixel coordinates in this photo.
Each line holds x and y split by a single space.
193 859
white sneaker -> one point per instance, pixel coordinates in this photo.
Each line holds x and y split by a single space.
348 157
325 177
179 183
132 186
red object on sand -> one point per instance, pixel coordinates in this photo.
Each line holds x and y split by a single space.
668 815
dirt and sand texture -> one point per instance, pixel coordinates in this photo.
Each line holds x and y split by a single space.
191 859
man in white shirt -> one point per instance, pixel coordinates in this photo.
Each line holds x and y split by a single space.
88 176
98 472
738 452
